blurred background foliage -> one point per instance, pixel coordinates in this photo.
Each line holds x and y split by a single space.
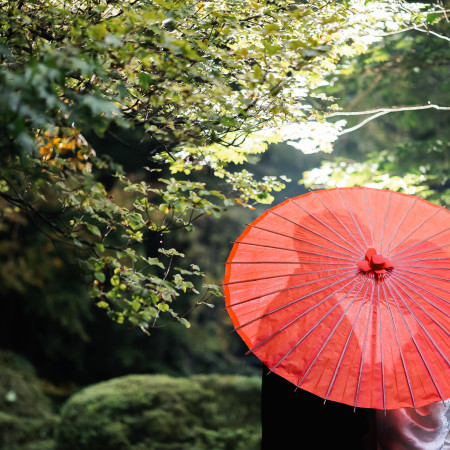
406 150
101 101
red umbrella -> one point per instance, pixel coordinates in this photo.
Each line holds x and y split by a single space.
346 294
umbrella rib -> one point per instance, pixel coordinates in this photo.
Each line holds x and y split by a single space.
422 267
428 250
422 274
415 229
294 250
298 262
420 323
428 292
421 242
348 338
381 345
324 224
314 327
278 276
438 258
298 317
400 224
314 232
339 220
354 220
370 220
364 347
399 346
442 327
423 281
384 223
297 300
289 288
301 240
411 334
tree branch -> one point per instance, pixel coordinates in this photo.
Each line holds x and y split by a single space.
375 113
440 36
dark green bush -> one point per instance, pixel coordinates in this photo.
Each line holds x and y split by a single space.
26 419
20 390
26 433
157 412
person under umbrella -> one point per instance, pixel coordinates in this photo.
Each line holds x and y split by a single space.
345 293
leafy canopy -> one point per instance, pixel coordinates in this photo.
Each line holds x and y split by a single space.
186 90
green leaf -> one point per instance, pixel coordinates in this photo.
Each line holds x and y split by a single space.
163 307
100 276
153 262
94 230
184 322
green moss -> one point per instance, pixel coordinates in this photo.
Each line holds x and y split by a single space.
25 433
26 420
158 412
20 390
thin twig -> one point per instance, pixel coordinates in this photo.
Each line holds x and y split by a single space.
381 112
440 36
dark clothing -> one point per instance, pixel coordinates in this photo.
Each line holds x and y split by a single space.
300 420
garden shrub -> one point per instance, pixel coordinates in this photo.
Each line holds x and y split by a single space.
158 412
26 419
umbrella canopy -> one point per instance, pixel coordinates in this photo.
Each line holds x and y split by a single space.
345 293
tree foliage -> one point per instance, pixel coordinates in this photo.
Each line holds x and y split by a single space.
407 149
185 90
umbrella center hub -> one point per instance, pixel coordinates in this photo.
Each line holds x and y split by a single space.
375 263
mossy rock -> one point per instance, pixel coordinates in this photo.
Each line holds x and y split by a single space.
20 389
158 412
26 433
26 419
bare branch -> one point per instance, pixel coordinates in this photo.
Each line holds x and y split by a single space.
440 36
375 113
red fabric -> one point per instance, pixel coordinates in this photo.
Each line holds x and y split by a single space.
363 327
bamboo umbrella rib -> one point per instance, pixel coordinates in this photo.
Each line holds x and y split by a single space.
298 317
438 258
423 281
423 267
420 323
415 229
349 336
442 327
295 250
421 242
351 214
408 283
312 231
279 276
302 240
422 274
412 337
429 250
339 220
321 222
299 263
351 277
368 213
381 345
342 224
400 224
364 347
316 325
289 288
